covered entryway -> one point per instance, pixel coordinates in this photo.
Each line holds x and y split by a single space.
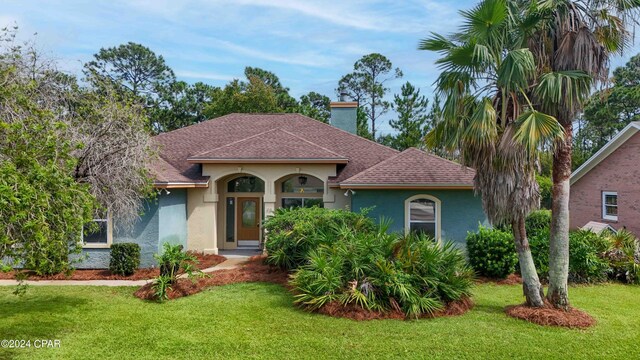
243 211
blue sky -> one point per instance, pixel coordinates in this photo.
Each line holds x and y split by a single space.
308 44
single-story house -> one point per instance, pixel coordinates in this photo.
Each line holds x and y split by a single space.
219 179
606 188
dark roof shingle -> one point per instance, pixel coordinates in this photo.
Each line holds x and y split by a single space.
179 145
276 144
414 167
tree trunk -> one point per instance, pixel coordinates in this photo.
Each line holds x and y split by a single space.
558 293
531 287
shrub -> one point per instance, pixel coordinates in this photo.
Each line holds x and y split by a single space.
545 183
624 257
538 221
492 252
539 245
382 272
125 258
586 250
586 262
173 260
293 233
161 287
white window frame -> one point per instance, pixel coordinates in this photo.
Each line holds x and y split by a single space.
106 245
407 214
604 205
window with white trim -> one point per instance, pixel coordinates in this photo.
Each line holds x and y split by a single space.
422 214
610 205
98 233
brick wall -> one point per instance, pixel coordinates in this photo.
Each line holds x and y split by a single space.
619 172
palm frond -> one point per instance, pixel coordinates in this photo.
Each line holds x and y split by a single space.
436 42
486 20
516 70
534 129
569 88
482 131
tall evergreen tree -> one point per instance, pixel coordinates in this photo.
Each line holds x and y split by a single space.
366 85
131 68
413 122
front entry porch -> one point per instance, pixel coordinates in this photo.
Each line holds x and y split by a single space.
229 213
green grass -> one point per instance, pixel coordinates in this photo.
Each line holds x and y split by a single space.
259 321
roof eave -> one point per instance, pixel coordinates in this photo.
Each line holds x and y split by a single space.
266 161
443 186
179 185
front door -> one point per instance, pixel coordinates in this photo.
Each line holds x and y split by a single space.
248 217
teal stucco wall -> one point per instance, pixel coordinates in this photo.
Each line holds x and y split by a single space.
173 218
164 219
345 118
461 210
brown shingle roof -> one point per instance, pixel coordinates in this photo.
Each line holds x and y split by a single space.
413 167
165 174
273 145
178 145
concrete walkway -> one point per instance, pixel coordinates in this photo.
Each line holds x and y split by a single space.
230 263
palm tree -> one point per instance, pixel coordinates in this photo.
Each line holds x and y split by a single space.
489 121
572 45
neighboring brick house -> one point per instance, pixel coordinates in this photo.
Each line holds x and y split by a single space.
217 181
606 188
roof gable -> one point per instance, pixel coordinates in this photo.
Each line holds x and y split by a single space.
177 146
277 145
410 168
617 141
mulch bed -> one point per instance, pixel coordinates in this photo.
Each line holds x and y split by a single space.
255 270
354 312
204 261
513 279
550 316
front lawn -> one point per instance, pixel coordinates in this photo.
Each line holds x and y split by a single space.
258 321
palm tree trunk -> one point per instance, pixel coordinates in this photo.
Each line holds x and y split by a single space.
531 287
558 293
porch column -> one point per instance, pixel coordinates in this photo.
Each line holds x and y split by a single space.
211 202
269 204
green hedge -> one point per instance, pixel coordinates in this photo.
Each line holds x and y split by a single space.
538 221
587 263
125 258
492 252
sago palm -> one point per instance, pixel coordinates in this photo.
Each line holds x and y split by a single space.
572 45
489 120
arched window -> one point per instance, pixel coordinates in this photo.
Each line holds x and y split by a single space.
423 215
302 191
303 184
246 183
